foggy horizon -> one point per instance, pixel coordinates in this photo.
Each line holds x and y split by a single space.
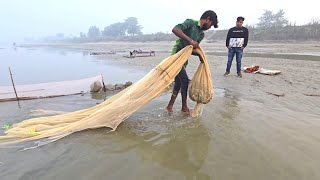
35 18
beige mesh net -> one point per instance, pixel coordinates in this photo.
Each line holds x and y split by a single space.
201 87
47 90
120 106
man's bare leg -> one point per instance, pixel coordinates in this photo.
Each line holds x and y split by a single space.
184 105
171 102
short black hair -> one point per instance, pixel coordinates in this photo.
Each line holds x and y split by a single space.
213 17
240 18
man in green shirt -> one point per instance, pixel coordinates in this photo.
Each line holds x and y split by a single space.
190 32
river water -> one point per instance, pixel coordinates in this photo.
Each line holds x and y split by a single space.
237 136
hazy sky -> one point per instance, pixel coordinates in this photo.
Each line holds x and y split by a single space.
35 18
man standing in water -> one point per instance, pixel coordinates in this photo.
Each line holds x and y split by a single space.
237 40
190 32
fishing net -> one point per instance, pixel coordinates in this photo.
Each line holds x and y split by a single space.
113 111
201 87
48 90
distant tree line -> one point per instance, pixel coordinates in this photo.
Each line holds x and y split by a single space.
130 27
271 26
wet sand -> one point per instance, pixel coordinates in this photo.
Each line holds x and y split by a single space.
245 132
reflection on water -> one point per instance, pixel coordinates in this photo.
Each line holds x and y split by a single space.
227 142
177 143
179 146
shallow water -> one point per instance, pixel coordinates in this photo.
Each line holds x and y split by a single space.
240 135
30 66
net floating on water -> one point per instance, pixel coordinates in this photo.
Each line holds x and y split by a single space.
48 90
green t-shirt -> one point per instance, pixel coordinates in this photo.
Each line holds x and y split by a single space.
192 29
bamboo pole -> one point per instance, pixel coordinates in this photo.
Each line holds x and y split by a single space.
14 87
104 86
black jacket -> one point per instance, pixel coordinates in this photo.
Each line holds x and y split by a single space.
238 33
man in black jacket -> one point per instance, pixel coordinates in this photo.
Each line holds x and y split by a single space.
237 40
